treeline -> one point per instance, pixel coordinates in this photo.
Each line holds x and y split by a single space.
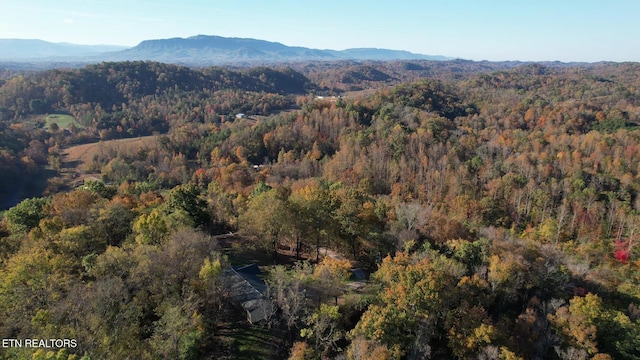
338 76
499 213
113 84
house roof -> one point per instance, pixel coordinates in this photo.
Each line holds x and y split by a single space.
248 290
250 274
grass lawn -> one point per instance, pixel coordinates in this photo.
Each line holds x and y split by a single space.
237 339
255 342
63 121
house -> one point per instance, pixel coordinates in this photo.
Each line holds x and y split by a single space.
248 291
241 116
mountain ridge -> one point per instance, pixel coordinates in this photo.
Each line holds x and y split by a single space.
197 50
33 49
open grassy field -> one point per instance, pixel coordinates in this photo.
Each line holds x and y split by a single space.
63 121
76 159
81 155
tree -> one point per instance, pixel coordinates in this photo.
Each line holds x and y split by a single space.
74 207
577 322
619 335
105 317
78 241
410 217
360 226
31 281
470 330
26 215
363 349
301 351
507 275
416 294
62 354
151 228
187 198
212 288
471 253
294 228
315 205
178 332
114 223
99 188
330 276
264 219
222 205
323 328
287 289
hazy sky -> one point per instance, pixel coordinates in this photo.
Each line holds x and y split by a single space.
565 30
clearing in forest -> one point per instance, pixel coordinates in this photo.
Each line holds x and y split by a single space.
76 159
63 121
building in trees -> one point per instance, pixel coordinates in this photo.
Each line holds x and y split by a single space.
248 291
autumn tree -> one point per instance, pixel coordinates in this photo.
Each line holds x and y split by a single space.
414 300
264 219
330 276
315 205
151 228
323 328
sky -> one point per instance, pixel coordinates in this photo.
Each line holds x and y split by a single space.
495 30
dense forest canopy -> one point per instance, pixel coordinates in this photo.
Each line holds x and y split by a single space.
496 206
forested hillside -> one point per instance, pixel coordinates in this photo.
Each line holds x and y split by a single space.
118 100
498 211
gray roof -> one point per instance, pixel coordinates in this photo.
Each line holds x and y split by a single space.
248 290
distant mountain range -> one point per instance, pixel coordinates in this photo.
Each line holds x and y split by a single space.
195 50
33 49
